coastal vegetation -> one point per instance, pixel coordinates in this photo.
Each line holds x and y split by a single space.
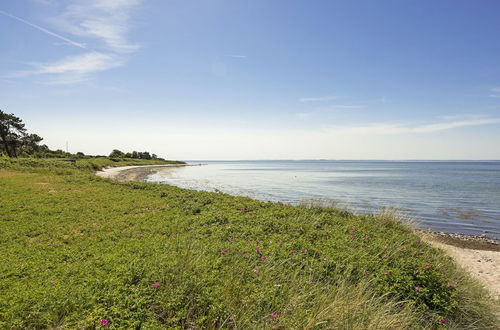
80 251
15 141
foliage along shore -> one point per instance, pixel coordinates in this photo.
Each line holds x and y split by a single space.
81 251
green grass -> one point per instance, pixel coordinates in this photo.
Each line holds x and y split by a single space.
219 261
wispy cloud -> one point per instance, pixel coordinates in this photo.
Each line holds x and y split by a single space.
73 69
58 36
318 99
237 56
495 92
395 128
107 21
329 109
104 24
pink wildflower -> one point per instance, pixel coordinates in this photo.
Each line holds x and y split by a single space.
244 254
275 315
353 237
223 251
418 288
367 237
353 227
255 271
324 258
104 322
292 252
442 321
155 284
303 251
263 258
385 246
384 255
366 272
53 283
401 249
258 250
427 266
279 243
422 252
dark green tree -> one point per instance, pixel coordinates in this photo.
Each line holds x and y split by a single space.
116 154
30 144
12 131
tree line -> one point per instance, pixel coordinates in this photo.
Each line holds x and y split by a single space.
134 154
15 141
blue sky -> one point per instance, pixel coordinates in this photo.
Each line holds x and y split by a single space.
234 79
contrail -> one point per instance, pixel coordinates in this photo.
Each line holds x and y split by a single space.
74 43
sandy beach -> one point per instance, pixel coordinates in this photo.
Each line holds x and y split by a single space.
476 254
134 173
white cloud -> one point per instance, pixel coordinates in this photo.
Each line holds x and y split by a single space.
394 128
318 99
80 64
72 69
107 21
104 24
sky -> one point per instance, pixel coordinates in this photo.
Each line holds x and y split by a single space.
260 79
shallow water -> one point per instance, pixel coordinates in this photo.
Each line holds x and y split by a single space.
461 197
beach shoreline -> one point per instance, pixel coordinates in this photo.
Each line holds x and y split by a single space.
477 254
135 173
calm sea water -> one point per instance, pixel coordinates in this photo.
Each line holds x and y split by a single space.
461 197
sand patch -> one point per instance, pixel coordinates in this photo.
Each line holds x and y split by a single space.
482 260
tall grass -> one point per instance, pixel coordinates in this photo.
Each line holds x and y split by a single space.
78 249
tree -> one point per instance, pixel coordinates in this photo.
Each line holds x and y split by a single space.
116 154
30 143
11 133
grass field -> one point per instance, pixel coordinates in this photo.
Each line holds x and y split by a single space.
79 251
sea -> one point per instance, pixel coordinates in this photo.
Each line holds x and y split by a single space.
446 196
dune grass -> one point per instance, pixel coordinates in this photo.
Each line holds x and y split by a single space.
78 249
